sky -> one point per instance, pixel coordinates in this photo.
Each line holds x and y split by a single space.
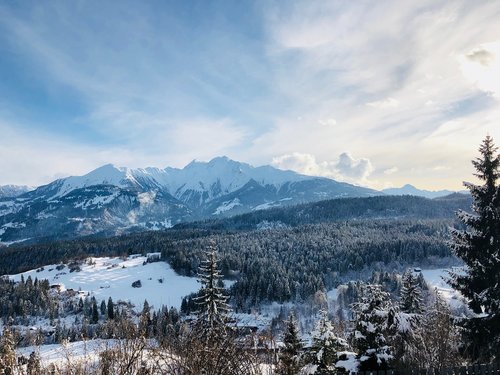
375 93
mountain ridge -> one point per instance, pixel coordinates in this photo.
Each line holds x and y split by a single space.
409 189
115 199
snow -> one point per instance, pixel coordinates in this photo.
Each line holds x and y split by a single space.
260 321
44 215
113 277
227 206
87 352
14 225
332 294
60 354
107 174
146 198
7 207
220 175
435 278
350 363
8 243
266 225
158 225
265 206
98 201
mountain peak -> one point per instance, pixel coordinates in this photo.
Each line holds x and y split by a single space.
409 189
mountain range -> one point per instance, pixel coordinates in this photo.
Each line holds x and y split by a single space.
13 190
412 190
112 200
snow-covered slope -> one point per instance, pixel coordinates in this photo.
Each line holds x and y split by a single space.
13 190
113 277
112 199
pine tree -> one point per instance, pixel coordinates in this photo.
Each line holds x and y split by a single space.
325 346
213 310
371 315
290 356
479 248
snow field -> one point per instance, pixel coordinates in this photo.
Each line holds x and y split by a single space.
113 277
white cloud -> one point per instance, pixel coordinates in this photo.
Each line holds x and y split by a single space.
391 170
298 162
334 59
345 168
385 103
356 169
36 158
481 66
328 122
482 56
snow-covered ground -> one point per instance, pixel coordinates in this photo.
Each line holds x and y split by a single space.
113 277
71 352
436 280
85 352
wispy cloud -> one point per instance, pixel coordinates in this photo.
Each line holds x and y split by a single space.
405 86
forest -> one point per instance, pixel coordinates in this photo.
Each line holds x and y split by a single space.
390 320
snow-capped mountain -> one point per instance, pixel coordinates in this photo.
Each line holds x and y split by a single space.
113 199
13 190
412 190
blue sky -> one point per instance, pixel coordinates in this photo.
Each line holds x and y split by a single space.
374 93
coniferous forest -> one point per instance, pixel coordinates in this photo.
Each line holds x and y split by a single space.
369 250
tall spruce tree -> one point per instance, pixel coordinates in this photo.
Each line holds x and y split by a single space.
370 336
411 294
479 247
325 346
213 310
7 352
111 309
290 361
404 321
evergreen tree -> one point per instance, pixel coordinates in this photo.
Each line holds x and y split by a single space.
479 247
95 312
111 309
404 321
213 310
403 336
103 308
7 352
325 346
438 337
290 356
33 367
411 294
371 315
145 319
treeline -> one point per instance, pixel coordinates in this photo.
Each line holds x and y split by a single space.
389 207
268 265
293 264
19 258
27 298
